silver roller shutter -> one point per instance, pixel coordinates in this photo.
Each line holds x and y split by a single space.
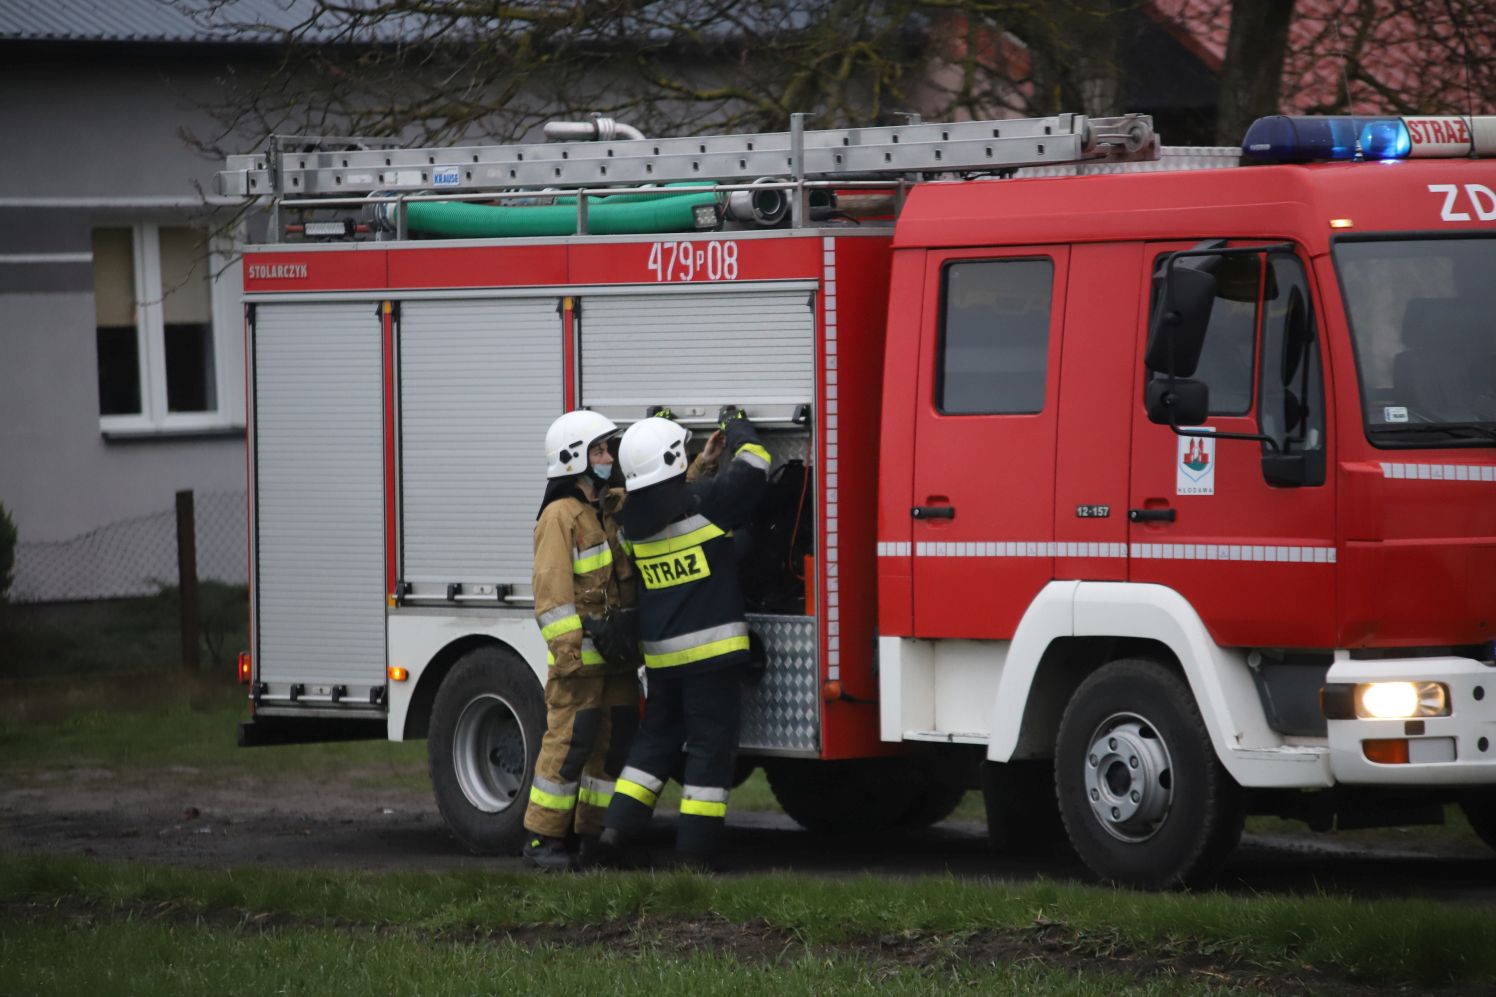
752 347
319 494
480 382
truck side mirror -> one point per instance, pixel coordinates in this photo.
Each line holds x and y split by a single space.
1293 469
1177 401
1176 328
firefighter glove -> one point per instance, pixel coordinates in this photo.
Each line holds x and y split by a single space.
615 635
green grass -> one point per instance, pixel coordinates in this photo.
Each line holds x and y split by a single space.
192 732
1382 942
121 635
136 958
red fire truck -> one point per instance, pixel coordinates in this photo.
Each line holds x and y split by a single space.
1144 489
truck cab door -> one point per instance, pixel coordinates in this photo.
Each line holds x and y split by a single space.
1255 559
984 438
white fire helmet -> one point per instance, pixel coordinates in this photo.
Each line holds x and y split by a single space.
569 439
652 450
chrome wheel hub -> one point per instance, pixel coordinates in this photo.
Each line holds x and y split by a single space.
1129 777
489 753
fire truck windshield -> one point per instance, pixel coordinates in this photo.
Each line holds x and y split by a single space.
1422 315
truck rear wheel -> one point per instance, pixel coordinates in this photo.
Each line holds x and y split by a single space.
1145 801
863 795
937 793
486 726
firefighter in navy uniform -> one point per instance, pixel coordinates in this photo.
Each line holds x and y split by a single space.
692 628
583 585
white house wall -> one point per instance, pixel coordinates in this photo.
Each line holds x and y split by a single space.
89 141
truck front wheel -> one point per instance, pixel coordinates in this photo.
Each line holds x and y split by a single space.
1144 799
486 726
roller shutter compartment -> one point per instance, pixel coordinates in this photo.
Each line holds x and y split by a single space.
319 500
480 382
752 347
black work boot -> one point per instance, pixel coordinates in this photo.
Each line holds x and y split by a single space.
588 851
547 854
610 850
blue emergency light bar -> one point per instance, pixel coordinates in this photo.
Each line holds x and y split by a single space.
1282 138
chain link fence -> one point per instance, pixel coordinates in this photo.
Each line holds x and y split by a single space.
135 557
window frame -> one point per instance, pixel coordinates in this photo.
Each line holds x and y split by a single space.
225 286
937 384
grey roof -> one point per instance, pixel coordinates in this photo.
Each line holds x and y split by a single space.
264 21
156 20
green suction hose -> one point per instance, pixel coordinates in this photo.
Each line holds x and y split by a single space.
620 214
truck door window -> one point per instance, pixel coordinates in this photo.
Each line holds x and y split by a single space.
1226 362
994 336
1291 383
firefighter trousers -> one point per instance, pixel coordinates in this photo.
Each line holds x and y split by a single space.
700 711
589 722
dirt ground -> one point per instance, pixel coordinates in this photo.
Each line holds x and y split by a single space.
175 816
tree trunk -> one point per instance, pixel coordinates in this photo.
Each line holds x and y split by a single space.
1253 73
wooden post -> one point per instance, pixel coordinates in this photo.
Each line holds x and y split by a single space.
187 578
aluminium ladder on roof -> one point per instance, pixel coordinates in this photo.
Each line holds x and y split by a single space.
840 153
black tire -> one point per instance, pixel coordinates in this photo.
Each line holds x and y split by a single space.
831 797
938 791
1023 815
864 795
1480 810
1145 801
486 726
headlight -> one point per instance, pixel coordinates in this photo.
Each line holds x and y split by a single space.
1401 700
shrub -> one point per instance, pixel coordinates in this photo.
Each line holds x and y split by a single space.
7 552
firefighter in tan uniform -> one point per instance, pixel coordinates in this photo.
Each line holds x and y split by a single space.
584 590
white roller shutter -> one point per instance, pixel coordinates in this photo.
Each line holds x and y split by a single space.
480 382
752 347
319 497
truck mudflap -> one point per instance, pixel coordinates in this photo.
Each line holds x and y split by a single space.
1446 735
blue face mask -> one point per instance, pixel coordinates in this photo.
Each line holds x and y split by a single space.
604 472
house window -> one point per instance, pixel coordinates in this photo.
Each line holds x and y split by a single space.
115 310
162 331
994 337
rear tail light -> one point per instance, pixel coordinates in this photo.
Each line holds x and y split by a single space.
246 668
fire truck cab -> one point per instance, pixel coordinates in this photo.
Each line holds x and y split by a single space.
1181 491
